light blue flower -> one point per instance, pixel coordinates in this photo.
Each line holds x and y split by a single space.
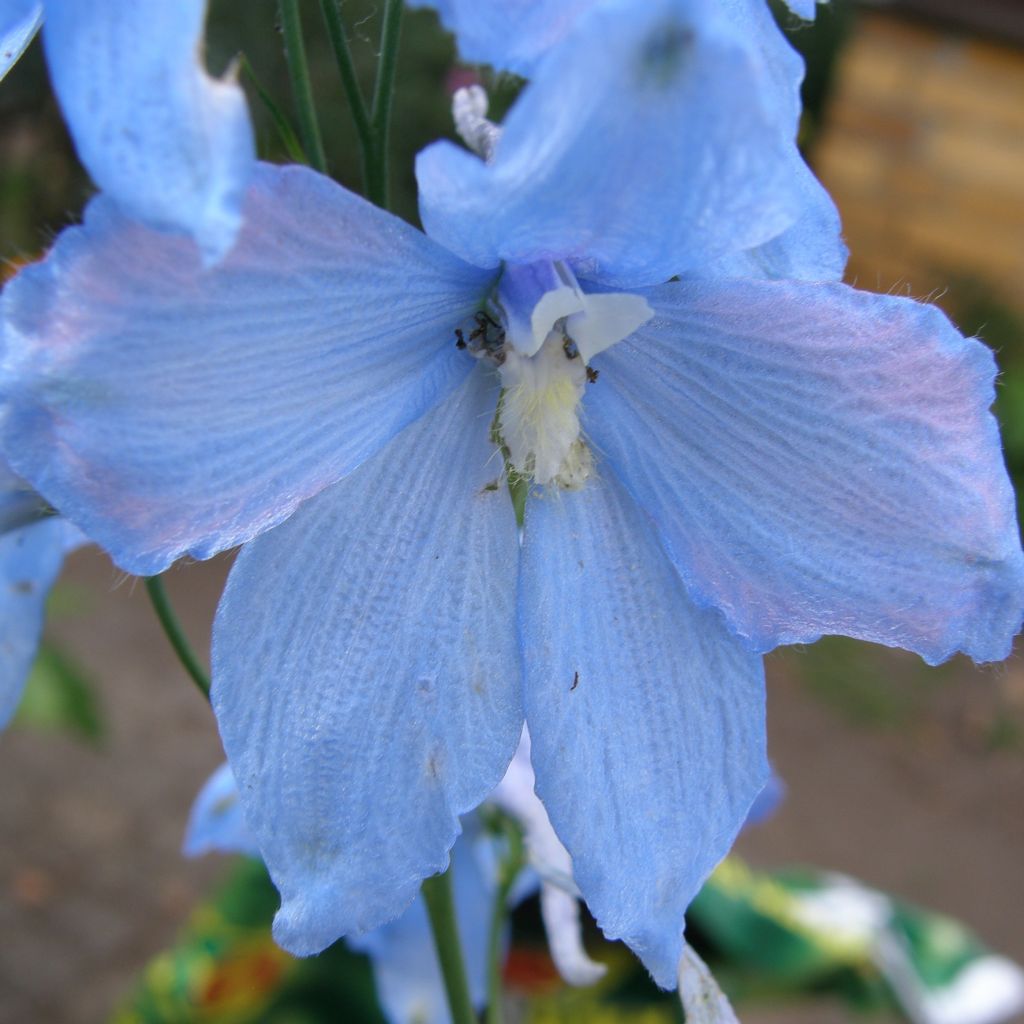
170 144
761 461
32 549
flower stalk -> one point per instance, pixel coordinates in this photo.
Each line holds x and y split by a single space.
298 69
175 634
437 894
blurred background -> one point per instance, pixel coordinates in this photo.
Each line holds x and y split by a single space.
907 777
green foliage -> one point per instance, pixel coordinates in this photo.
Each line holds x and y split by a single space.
59 698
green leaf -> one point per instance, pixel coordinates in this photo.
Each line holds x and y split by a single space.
59 698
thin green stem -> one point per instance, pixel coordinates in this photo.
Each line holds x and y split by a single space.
383 93
347 70
511 865
172 627
285 131
298 69
437 893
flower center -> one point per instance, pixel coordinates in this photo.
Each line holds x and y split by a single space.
541 333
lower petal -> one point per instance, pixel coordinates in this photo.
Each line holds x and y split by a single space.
646 716
365 673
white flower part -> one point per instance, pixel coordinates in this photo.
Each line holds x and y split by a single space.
559 897
553 329
469 112
539 420
703 1001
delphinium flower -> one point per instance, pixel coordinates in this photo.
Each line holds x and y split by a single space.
719 461
171 145
33 543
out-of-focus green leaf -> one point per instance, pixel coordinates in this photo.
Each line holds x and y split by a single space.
59 697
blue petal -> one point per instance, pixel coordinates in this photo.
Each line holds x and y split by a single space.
366 676
645 145
812 249
646 716
173 146
509 34
167 409
819 460
216 822
19 23
405 968
30 560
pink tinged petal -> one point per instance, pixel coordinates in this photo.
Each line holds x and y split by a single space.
366 677
819 460
170 144
167 409
646 716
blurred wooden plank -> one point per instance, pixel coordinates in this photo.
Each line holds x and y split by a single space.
923 151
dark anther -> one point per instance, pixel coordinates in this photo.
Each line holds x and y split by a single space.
592 374
460 341
570 349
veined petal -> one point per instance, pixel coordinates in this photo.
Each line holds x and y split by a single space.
172 145
19 23
166 409
819 460
509 34
646 716
215 822
405 968
366 676
643 146
30 560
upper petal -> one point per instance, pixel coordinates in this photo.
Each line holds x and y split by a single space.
510 34
19 23
819 460
365 673
644 145
172 145
165 408
30 559
646 716
810 249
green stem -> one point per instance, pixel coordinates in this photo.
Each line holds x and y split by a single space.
511 866
383 93
347 70
437 894
172 627
295 54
